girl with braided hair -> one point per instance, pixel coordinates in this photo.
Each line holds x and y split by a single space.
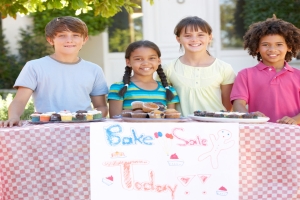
143 59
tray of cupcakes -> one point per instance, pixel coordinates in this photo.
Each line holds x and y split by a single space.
225 116
80 116
151 112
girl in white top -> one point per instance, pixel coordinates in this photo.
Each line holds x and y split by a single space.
201 81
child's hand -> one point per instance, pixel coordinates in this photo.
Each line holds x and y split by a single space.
287 120
10 123
259 114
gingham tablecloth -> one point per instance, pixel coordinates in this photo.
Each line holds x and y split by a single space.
51 161
45 162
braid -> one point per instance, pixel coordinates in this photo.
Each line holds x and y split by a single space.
126 81
163 78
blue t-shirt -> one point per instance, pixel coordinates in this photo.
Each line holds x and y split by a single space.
59 86
135 93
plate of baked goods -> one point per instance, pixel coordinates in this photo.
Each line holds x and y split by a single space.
80 116
154 120
150 112
229 117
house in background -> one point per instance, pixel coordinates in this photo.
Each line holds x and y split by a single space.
155 23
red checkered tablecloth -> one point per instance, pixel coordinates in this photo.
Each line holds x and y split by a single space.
45 162
51 161
269 162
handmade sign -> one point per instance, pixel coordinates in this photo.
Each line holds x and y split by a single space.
172 161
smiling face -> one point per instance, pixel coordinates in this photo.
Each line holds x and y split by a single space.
273 49
194 40
67 43
144 61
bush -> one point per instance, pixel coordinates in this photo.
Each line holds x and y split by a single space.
5 102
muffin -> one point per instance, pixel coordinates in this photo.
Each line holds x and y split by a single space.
126 113
161 106
172 113
156 114
55 117
139 115
148 107
137 105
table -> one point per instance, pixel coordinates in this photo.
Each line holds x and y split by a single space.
51 161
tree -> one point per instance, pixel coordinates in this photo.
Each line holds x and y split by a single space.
105 8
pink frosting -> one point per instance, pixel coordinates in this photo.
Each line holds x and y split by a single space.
174 156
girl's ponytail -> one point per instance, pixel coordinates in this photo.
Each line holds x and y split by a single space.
163 78
126 81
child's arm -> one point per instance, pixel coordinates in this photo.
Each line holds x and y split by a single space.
225 94
115 107
239 105
289 120
16 108
171 106
99 103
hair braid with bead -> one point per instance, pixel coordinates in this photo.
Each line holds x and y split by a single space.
126 81
163 78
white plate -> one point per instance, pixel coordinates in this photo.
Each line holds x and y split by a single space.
230 120
74 121
181 119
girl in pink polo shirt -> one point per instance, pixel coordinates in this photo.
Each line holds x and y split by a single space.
272 87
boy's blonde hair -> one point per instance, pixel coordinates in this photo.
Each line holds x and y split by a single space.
65 23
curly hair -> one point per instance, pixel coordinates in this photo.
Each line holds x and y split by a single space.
127 75
272 26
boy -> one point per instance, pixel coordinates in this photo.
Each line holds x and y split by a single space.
271 88
61 81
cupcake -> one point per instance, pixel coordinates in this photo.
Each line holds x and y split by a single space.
80 116
161 106
45 117
55 117
66 116
35 117
156 114
137 105
172 113
89 116
139 115
148 107
97 114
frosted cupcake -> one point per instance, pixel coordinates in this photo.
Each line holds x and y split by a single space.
97 114
35 117
45 117
66 116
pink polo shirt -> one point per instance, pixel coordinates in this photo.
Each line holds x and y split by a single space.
276 94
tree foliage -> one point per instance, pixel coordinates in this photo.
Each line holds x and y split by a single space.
259 10
104 8
95 24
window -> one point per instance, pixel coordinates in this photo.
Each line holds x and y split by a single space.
232 24
125 29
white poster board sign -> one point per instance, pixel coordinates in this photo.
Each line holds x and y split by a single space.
164 161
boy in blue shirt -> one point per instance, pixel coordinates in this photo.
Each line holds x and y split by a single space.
61 81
